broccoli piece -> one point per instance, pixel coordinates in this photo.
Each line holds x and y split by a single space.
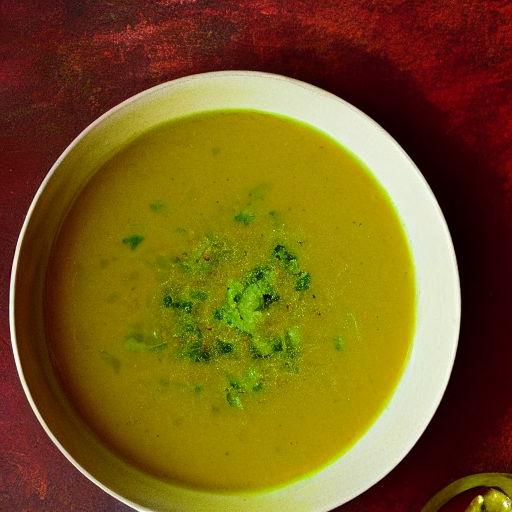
133 241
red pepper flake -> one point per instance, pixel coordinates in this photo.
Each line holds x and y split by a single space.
206 257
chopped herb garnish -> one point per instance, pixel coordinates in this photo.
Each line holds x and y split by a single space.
133 241
288 259
191 329
207 254
269 298
224 347
184 305
290 264
246 216
286 349
199 295
338 343
200 328
236 384
292 337
261 348
303 281
251 381
291 350
196 352
277 345
234 400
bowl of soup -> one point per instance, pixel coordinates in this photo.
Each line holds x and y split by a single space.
234 291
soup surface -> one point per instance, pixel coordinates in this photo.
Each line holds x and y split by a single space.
230 301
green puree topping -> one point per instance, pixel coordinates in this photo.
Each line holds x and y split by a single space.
246 300
250 320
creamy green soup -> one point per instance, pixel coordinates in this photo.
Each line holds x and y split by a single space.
230 301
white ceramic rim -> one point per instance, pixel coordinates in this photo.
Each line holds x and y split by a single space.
383 461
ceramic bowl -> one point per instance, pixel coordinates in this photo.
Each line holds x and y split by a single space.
424 379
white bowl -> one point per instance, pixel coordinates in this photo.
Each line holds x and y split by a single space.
424 379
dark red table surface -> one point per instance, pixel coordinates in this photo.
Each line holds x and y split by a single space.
436 74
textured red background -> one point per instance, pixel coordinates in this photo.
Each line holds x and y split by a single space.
436 74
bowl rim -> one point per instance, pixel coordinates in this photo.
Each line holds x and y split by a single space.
246 74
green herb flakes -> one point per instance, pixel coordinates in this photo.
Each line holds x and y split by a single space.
133 241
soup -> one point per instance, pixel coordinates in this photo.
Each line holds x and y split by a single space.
230 301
